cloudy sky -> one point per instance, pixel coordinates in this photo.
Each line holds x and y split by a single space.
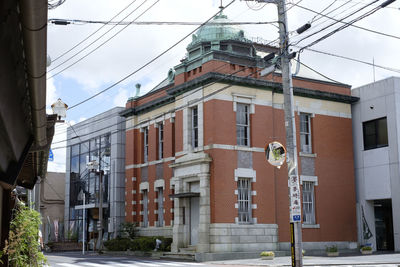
107 54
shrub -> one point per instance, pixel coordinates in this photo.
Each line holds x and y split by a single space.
129 229
332 248
267 254
366 248
22 247
147 243
118 244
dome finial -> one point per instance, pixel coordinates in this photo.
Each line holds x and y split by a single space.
221 7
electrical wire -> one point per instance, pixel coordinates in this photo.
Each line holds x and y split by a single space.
93 33
106 41
350 24
168 23
362 3
335 21
319 73
151 61
353 59
334 1
343 27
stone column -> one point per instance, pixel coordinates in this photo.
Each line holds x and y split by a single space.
203 244
178 228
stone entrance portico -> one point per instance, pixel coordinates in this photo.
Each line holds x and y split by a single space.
191 179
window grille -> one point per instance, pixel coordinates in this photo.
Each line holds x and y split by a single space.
160 206
305 133
146 145
145 209
308 203
244 200
160 141
195 127
243 124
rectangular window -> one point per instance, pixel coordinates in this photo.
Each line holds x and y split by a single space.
160 140
244 200
308 203
305 133
145 209
375 133
243 124
195 127
145 144
160 202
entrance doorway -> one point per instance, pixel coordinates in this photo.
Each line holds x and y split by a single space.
384 224
194 220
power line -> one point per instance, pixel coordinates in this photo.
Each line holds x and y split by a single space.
335 21
106 41
353 59
168 23
90 35
151 61
334 1
346 25
319 73
349 24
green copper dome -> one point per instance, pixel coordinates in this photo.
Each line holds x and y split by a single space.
217 30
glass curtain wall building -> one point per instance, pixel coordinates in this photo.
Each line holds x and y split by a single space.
99 139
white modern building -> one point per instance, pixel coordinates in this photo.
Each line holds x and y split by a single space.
376 128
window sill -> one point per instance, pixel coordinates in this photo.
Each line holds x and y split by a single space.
310 226
309 155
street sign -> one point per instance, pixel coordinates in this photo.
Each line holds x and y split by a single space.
51 155
295 202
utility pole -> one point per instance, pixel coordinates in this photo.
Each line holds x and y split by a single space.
101 209
291 147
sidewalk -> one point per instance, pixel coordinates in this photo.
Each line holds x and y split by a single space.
371 260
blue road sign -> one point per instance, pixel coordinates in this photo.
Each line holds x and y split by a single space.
51 156
296 218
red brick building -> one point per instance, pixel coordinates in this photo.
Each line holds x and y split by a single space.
195 162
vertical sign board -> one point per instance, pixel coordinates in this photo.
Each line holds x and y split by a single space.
292 248
295 202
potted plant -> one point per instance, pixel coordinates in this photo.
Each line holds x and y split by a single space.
365 250
332 251
267 255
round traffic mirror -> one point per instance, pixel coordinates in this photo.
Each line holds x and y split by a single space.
275 153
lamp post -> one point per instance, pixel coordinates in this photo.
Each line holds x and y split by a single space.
81 196
94 167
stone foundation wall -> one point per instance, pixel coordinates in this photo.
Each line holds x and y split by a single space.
243 238
155 231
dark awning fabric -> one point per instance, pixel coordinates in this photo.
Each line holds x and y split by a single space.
182 195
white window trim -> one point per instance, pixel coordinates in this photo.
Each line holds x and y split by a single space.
187 127
159 143
244 99
250 174
313 179
145 139
309 116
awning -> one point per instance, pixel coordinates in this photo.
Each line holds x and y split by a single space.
182 195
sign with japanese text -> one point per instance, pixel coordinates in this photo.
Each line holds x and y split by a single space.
295 202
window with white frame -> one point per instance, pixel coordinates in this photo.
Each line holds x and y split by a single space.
195 127
145 144
160 140
308 202
305 133
244 200
243 124
145 208
160 201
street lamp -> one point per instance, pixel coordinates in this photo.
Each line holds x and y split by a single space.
94 167
59 108
81 196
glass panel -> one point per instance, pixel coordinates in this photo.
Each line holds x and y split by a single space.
84 147
84 160
382 132
75 150
75 164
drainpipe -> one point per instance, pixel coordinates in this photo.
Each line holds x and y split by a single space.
33 18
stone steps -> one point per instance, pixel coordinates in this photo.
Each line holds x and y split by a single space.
178 256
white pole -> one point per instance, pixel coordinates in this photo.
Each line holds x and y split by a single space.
83 226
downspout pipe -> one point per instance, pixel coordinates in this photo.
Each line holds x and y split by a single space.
33 17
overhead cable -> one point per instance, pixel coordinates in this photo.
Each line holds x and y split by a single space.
151 61
90 35
103 43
